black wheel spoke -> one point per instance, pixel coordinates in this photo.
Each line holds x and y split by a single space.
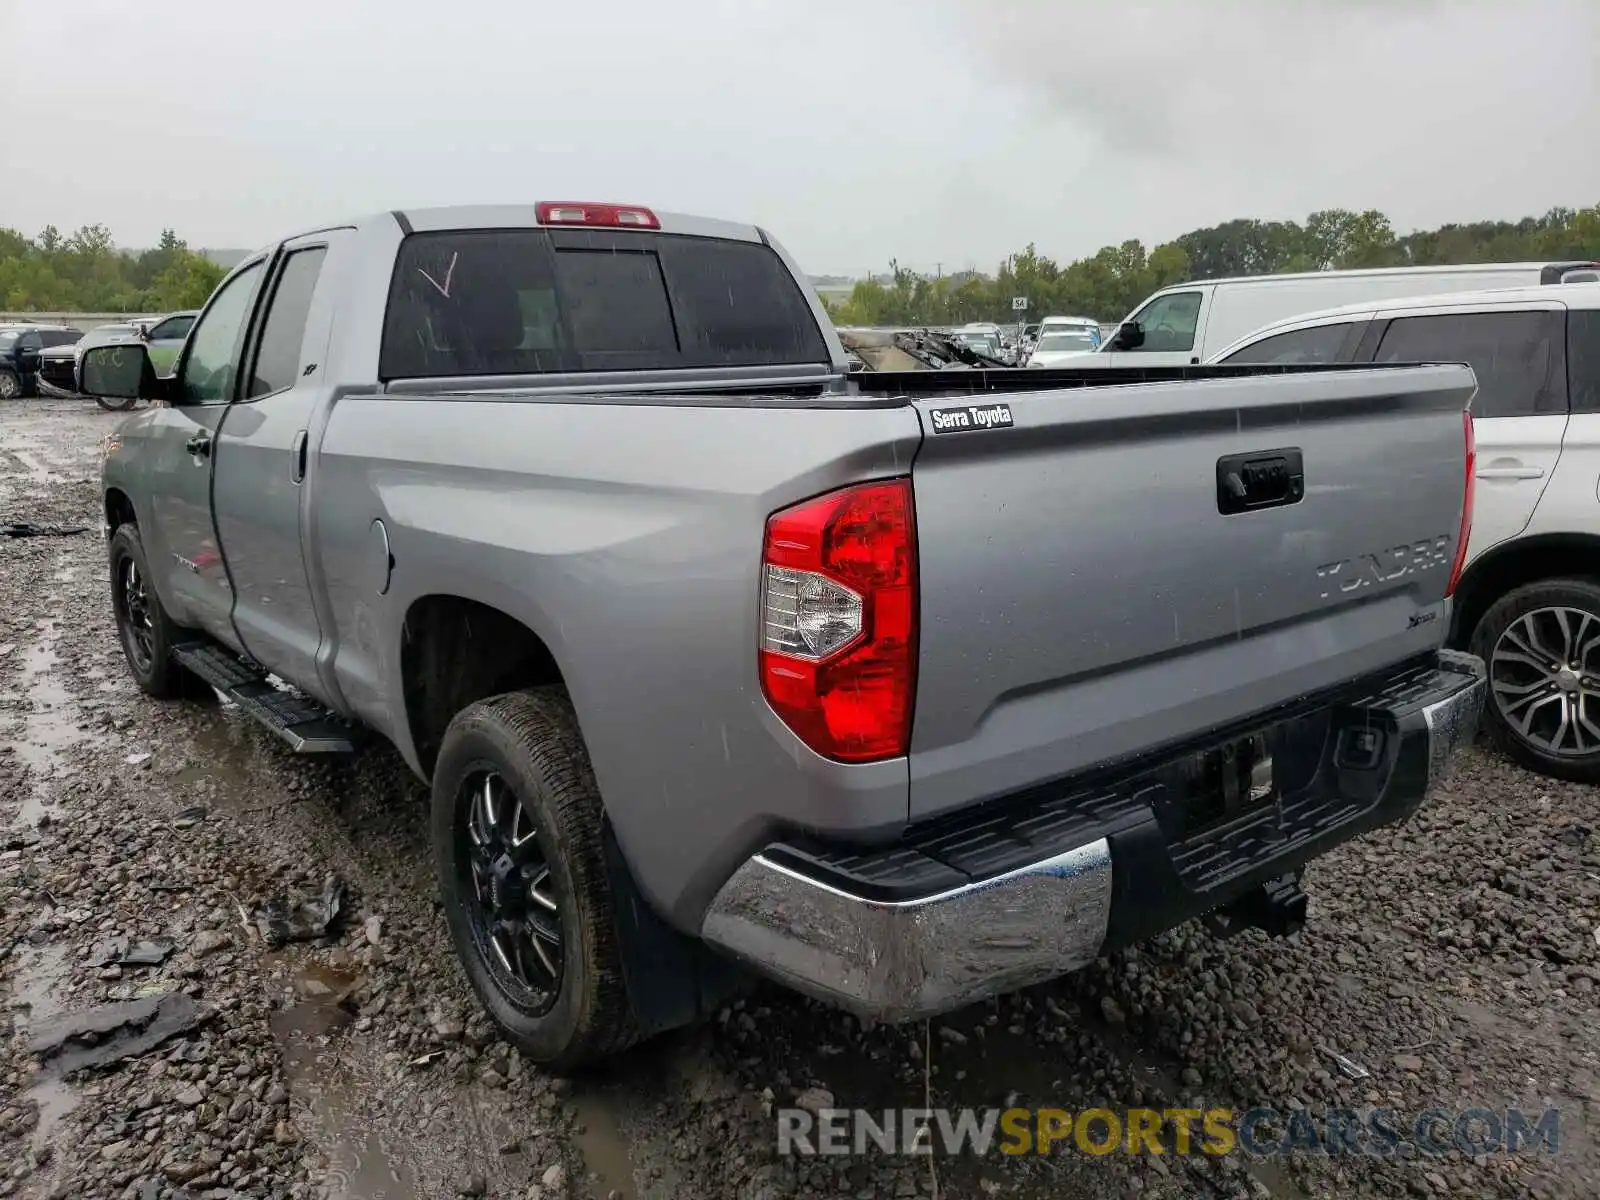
138 622
514 901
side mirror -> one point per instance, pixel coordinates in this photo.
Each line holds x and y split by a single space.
1130 336
119 372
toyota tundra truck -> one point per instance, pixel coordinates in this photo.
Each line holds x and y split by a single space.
904 689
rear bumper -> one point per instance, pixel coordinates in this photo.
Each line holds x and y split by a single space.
1024 889
59 374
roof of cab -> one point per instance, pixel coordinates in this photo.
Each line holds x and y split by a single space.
522 216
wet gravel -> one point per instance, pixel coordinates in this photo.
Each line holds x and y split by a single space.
1452 962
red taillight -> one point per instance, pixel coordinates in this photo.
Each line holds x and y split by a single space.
839 620
1466 505
613 216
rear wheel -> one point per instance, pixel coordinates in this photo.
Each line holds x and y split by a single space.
114 404
517 846
1541 643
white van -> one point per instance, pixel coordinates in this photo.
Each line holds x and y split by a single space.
1190 322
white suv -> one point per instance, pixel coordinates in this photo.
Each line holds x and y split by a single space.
1529 601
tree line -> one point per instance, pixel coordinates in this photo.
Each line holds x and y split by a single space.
86 272
1109 284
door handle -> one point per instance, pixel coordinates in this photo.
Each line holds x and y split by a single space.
297 458
1511 473
199 444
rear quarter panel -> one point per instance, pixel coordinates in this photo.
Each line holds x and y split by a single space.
628 537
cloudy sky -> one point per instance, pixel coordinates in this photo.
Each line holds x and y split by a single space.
934 131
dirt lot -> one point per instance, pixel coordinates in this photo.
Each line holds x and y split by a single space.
1454 961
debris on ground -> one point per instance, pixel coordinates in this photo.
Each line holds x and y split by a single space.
125 952
27 529
292 917
109 1033
190 817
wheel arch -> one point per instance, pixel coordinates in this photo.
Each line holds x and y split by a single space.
455 651
1512 564
119 510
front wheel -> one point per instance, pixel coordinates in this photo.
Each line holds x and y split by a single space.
518 851
10 385
1541 643
146 632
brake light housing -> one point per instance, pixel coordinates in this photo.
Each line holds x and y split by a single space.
1465 532
838 642
606 216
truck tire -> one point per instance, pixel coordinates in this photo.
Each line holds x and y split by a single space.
146 632
1541 643
518 851
10 386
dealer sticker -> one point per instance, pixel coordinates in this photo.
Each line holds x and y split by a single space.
971 419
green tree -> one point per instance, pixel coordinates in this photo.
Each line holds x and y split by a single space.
85 272
1110 283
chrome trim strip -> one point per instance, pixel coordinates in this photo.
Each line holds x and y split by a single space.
1453 721
908 959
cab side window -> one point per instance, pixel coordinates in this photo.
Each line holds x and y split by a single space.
1318 344
1518 357
212 363
1169 323
277 364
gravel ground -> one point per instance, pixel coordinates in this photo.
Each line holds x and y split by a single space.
1454 959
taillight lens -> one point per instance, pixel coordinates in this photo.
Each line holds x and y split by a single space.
839 620
1466 505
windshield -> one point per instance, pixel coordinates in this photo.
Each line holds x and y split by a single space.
1068 340
6 340
979 342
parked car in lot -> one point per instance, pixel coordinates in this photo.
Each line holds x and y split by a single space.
1062 339
165 338
1529 601
58 366
901 688
21 349
1192 322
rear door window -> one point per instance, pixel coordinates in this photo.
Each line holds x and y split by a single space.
277 362
1583 360
1518 357
533 301
1318 344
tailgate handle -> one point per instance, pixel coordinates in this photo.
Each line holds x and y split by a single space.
1260 479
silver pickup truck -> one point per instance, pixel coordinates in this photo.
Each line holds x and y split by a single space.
902 688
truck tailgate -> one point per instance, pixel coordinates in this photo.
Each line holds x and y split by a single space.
1084 595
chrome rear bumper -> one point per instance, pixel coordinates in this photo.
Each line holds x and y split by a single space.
898 961
1032 919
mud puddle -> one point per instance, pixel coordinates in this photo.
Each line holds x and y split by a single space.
49 722
34 976
599 1137
358 1164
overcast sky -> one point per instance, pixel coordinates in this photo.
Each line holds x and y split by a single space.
934 131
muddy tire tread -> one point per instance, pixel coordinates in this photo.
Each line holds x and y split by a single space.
539 727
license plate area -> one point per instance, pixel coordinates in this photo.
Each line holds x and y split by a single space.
1217 786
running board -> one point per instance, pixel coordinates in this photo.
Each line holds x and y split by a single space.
307 726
